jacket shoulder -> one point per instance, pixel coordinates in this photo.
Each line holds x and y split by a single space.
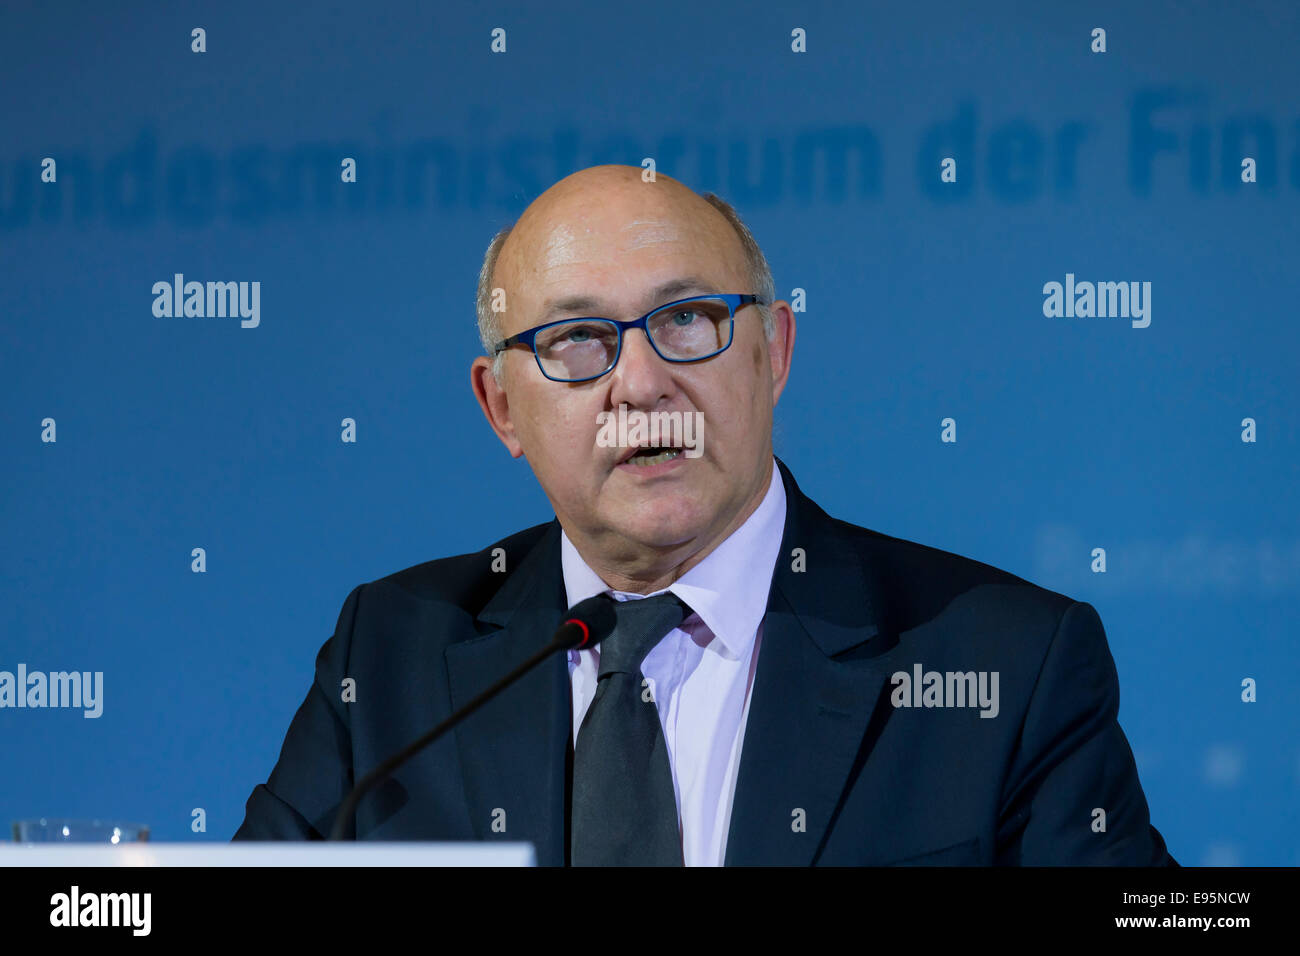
467 581
923 582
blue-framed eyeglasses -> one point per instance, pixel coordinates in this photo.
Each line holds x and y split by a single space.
688 330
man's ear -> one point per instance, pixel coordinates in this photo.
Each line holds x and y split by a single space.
780 347
495 403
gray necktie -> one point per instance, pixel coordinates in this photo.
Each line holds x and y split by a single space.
624 810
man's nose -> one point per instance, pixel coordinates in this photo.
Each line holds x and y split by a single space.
641 378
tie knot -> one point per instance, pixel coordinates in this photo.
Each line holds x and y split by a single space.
641 624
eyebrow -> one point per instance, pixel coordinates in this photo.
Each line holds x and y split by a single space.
592 306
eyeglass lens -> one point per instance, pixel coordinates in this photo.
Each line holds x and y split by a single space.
585 348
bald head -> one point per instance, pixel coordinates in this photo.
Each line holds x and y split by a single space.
606 204
605 243
594 212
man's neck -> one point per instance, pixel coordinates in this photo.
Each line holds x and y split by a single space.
649 570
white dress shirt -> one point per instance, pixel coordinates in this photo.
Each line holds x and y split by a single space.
702 672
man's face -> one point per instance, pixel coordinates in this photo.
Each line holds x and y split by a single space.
624 245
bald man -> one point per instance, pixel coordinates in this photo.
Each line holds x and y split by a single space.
779 688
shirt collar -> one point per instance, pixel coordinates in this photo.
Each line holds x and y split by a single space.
728 589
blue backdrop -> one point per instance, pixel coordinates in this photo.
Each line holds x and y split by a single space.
924 301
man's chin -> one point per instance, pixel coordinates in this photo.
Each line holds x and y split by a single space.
667 524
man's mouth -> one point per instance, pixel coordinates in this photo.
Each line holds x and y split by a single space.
650 455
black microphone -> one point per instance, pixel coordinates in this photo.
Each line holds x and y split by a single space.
585 625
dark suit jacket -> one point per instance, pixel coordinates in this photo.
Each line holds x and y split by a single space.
831 772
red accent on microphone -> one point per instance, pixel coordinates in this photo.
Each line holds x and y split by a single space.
586 634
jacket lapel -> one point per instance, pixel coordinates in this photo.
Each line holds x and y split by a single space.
809 721
809 714
513 750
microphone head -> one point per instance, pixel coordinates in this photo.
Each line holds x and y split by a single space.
590 622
